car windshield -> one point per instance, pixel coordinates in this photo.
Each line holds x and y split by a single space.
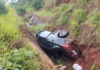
55 39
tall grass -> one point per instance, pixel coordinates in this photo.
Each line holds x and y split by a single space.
9 28
78 16
22 58
50 4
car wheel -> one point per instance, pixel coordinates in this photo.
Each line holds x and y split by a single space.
63 34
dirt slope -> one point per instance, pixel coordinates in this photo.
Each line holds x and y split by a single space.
30 39
43 56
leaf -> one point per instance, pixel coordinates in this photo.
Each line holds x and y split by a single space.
0 59
19 66
14 64
16 69
9 64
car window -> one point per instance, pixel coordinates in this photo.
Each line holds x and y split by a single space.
45 43
49 45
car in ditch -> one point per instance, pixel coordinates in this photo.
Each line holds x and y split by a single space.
56 44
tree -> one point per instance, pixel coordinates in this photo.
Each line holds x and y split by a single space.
21 11
2 8
37 4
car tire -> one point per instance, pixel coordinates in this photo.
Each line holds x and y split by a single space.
63 34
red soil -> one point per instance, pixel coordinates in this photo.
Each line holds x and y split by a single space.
87 61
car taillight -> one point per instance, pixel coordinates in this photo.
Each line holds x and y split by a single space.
65 46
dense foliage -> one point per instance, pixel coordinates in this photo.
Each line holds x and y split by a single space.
22 58
19 60
24 5
8 29
3 9
20 11
37 4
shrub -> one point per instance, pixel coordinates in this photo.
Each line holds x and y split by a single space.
79 15
64 7
65 18
20 11
37 4
19 60
94 18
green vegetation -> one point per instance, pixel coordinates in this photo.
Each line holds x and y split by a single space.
36 29
93 19
28 5
37 4
48 4
9 29
95 66
64 7
20 11
14 54
78 16
3 9
19 60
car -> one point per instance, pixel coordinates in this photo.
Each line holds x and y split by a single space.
56 44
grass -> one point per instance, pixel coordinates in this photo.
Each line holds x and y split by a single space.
93 19
78 17
21 56
95 66
57 15
36 29
9 28
50 4
29 9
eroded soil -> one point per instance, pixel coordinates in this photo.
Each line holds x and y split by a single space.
91 61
